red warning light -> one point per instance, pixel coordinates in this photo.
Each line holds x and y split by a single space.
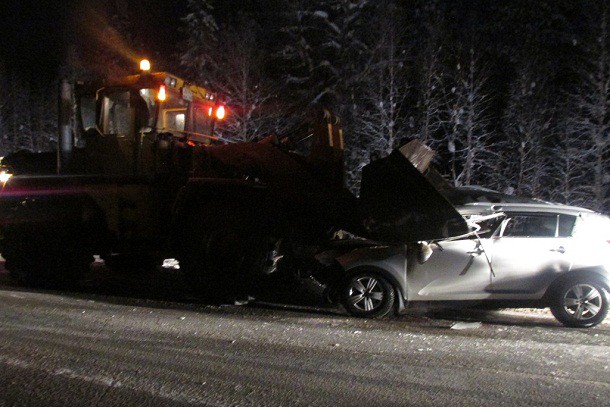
221 112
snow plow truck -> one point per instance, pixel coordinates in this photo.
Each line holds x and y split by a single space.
141 176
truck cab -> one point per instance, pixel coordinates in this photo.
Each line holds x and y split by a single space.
129 126
129 155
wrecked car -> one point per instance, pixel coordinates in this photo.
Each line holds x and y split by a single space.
517 254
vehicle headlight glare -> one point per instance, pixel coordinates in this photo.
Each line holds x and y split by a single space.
5 176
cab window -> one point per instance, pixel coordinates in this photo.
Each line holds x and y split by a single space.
116 113
202 120
172 114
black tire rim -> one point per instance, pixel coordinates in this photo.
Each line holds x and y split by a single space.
365 293
582 302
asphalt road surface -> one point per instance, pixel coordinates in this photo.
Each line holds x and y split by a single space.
149 345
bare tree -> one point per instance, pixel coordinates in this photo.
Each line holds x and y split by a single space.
470 135
379 118
527 126
201 40
571 166
591 107
380 109
238 74
432 97
4 104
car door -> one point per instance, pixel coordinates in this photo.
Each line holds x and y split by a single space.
530 251
456 270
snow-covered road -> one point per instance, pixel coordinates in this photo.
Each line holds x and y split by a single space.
87 349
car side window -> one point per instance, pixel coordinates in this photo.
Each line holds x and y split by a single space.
566 225
531 226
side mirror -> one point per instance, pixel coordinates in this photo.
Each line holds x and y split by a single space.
98 111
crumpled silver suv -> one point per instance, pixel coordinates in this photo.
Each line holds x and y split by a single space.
530 254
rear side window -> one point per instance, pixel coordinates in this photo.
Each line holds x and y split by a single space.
566 225
531 226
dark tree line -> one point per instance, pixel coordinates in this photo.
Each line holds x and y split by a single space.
513 95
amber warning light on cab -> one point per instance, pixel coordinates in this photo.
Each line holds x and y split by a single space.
145 65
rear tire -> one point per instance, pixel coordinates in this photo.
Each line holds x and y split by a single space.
580 303
367 295
224 267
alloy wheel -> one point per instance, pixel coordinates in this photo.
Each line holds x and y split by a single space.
582 302
366 293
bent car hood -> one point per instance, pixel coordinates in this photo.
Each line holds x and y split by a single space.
398 204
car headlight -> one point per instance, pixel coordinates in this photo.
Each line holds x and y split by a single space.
5 176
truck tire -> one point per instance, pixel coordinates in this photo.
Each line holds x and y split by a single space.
207 267
224 266
41 258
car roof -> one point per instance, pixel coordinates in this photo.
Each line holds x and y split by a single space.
538 207
469 194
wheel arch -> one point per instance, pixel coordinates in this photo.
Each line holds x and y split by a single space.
595 273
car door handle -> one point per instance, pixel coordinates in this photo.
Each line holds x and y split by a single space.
560 249
476 252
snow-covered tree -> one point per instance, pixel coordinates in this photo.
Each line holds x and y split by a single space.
379 112
527 126
429 117
469 138
238 73
591 106
324 50
571 166
43 116
201 40
4 104
19 114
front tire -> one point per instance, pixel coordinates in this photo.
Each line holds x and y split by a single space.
580 303
367 295
45 259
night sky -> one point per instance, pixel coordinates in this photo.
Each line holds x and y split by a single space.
32 33
35 33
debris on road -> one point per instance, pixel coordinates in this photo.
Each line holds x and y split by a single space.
466 325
